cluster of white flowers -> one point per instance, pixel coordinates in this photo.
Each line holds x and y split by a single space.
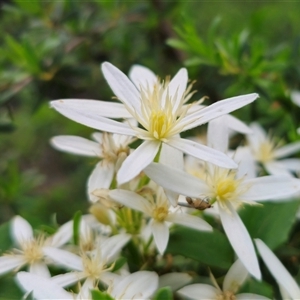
134 193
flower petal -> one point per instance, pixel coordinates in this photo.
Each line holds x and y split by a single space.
40 269
131 199
91 118
271 188
137 161
43 288
239 239
218 134
295 97
174 280
122 87
282 276
277 168
177 180
68 279
292 164
21 230
248 296
189 221
203 152
160 232
199 291
235 277
237 125
142 76
287 150
10 262
62 235
101 177
217 109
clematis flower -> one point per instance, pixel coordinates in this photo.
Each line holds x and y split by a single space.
229 192
30 248
288 285
158 209
266 152
159 109
233 280
111 149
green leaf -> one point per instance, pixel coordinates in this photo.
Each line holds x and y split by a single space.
201 246
271 222
163 294
98 295
5 240
76 227
119 263
260 288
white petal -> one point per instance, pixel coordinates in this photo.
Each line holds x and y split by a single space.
160 232
91 119
68 279
21 230
246 162
287 150
189 221
131 199
217 109
40 269
237 125
137 161
295 97
239 239
248 296
98 137
282 276
142 76
199 291
62 236
203 152
64 258
270 188
9 263
43 288
277 168
106 109
292 164
235 277
177 180
76 145
101 177
218 134
122 87
174 280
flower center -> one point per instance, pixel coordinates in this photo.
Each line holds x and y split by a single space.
159 124
225 187
93 264
160 213
227 295
33 250
266 151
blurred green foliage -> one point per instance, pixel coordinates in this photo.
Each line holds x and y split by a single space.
53 49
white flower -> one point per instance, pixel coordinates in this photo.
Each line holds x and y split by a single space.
233 280
283 277
159 109
158 209
30 249
111 149
229 192
270 155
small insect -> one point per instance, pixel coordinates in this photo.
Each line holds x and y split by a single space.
197 203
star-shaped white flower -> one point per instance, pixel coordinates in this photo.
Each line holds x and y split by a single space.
159 108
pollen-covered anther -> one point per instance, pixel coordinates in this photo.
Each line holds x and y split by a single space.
33 249
227 295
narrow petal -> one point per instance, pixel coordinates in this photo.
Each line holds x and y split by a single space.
174 280
68 279
248 296
237 125
217 109
277 269
199 291
203 152
177 180
189 221
122 87
235 277
64 258
239 239
131 199
287 150
246 162
160 232
106 109
270 188
218 134
40 269
142 76
62 236
76 145
137 161
9 263
43 288
91 119
292 164
21 230
295 97
277 168
100 178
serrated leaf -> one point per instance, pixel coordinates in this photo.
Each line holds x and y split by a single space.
163 294
271 222
211 248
